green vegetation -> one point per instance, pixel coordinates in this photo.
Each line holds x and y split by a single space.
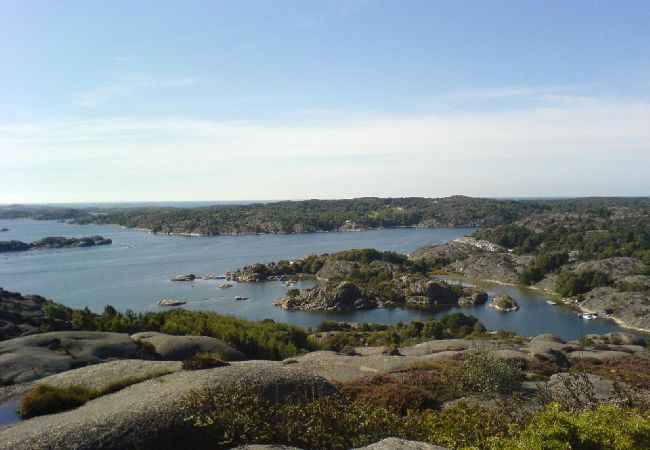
483 372
232 416
264 339
504 303
368 255
455 325
587 233
574 283
358 279
408 405
608 427
329 215
547 262
47 399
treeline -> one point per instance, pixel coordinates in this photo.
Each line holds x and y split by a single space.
326 215
265 339
587 237
590 239
449 326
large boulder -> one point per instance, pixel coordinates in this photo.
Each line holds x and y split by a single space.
473 299
99 375
402 444
31 357
384 444
435 292
177 348
152 414
21 315
345 296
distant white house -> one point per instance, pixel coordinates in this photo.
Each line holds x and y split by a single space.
481 243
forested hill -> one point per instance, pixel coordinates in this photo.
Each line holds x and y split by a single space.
327 215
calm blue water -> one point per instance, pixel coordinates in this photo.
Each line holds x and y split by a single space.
134 273
8 412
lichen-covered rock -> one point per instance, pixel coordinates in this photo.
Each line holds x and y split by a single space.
31 357
152 414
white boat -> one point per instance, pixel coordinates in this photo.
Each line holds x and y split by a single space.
239 297
551 302
589 316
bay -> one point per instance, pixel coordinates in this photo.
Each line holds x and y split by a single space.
133 273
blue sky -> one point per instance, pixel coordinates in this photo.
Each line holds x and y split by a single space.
199 100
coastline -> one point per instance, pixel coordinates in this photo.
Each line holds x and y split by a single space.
356 230
558 297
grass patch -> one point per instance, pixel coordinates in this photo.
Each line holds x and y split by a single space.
48 399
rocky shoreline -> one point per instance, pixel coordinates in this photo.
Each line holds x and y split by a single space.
629 309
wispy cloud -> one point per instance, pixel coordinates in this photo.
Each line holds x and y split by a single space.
125 85
509 92
564 148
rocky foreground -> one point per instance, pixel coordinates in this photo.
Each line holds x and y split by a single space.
152 412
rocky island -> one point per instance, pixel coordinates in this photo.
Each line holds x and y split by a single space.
359 279
54 242
504 303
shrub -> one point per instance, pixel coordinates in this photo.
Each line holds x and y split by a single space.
46 399
232 416
390 393
202 361
574 283
481 371
608 427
